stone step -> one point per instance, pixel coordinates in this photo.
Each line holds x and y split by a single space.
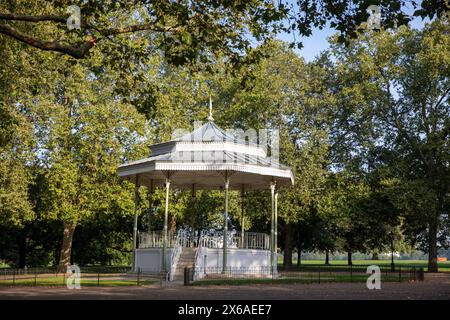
186 259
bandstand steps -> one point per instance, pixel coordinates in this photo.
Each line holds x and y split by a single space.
187 259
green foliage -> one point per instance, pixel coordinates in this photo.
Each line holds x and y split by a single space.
364 128
190 31
15 208
393 120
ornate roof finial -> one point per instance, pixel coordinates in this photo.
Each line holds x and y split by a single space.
210 117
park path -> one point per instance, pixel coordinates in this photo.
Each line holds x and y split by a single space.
434 287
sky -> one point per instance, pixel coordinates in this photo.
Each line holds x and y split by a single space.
317 42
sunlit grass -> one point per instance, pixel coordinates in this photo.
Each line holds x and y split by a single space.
61 281
293 280
443 266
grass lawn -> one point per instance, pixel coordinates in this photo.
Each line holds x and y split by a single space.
443 266
60 281
289 280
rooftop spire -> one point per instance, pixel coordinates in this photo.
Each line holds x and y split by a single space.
210 117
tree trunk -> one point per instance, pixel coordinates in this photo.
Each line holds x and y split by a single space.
375 256
66 249
392 261
432 246
327 257
287 257
349 258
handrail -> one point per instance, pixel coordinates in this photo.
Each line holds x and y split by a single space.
199 267
175 256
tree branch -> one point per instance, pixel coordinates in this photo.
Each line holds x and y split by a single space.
77 52
74 51
442 98
140 27
22 17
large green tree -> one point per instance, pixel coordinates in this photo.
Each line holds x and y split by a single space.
188 30
393 90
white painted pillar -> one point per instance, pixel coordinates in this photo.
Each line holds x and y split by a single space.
242 217
225 225
276 231
272 225
135 220
166 214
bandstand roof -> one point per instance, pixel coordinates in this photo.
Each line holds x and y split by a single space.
202 158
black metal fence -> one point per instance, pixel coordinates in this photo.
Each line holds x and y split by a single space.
89 276
304 274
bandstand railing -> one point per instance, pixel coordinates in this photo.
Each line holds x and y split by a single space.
206 239
155 239
176 252
199 263
183 238
252 240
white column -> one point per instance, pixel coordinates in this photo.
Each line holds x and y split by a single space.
242 216
166 214
276 231
225 225
135 220
272 225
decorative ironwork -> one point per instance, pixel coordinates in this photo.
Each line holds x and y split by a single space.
186 238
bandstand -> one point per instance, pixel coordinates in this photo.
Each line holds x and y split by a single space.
207 158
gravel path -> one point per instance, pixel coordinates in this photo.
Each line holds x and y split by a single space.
434 287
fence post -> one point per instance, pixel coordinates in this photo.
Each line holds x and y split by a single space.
98 279
64 278
139 276
35 277
399 273
14 277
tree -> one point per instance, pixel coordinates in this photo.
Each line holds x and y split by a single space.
394 91
82 138
187 30
15 177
